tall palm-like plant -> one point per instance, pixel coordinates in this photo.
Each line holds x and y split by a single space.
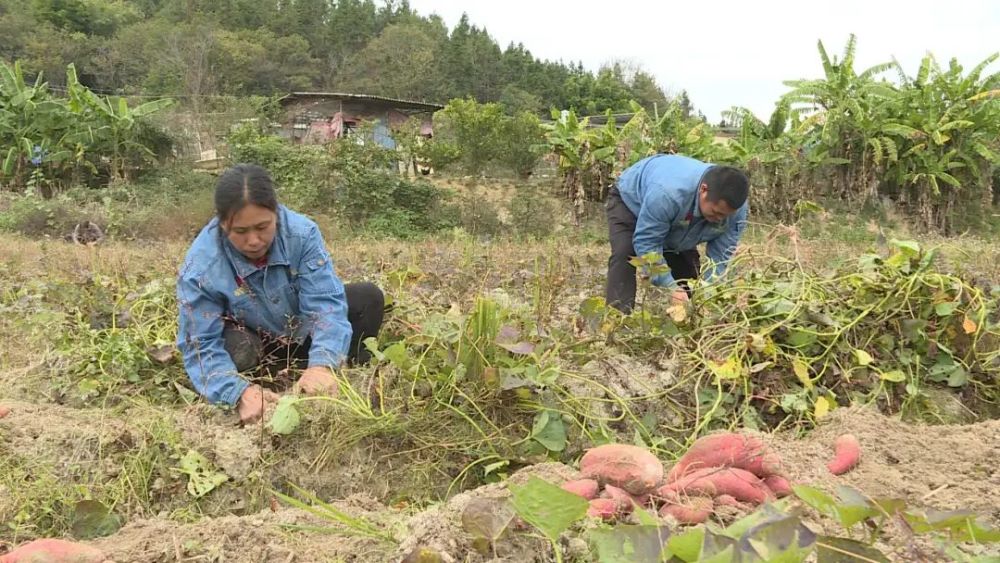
850 110
948 127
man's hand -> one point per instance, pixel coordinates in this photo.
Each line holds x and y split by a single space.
318 380
679 296
252 403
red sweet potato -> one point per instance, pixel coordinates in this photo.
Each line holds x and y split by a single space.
694 510
625 466
713 481
727 450
728 500
846 454
4 411
53 551
604 508
778 485
625 501
586 488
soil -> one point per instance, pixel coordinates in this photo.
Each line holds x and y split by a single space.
944 467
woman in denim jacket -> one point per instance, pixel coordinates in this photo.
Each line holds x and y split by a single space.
258 295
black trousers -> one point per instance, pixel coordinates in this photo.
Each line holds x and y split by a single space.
262 357
621 284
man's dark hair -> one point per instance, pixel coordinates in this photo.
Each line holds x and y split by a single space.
242 185
728 184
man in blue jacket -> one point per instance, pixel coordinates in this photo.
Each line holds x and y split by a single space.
668 204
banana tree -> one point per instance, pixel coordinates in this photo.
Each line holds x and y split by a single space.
947 128
114 129
852 109
32 126
588 157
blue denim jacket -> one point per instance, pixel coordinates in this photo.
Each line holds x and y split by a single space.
662 192
296 295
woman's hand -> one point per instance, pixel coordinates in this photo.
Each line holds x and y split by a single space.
252 403
318 380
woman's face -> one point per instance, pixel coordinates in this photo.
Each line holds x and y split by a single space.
251 230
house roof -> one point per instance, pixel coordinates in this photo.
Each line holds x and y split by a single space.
397 103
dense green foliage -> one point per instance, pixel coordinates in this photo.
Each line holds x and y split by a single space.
52 141
928 142
201 48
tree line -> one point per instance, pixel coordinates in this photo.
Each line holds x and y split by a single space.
194 49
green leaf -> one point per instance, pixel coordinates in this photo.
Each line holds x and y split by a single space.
397 355
780 538
718 549
863 358
8 163
547 507
895 376
959 377
645 517
202 476
963 525
854 507
800 338
91 519
816 498
842 550
630 544
908 247
549 431
687 546
286 417
945 309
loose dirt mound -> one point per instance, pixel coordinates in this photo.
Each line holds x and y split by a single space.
259 538
947 467
944 467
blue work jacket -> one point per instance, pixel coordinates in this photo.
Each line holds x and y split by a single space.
662 192
296 294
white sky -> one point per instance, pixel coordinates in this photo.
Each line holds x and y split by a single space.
735 52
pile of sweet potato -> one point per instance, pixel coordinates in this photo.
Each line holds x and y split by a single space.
725 469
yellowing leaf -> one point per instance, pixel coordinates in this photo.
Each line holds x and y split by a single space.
801 370
895 376
821 408
969 326
729 369
678 312
864 358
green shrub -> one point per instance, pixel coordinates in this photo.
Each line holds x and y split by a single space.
360 182
531 213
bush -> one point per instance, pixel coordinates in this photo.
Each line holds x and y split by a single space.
479 216
33 216
359 181
531 213
479 136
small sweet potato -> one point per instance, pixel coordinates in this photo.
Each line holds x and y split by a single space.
586 488
712 481
604 508
625 466
694 510
778 485
53 551
846 454
625 501
4 411
727 450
